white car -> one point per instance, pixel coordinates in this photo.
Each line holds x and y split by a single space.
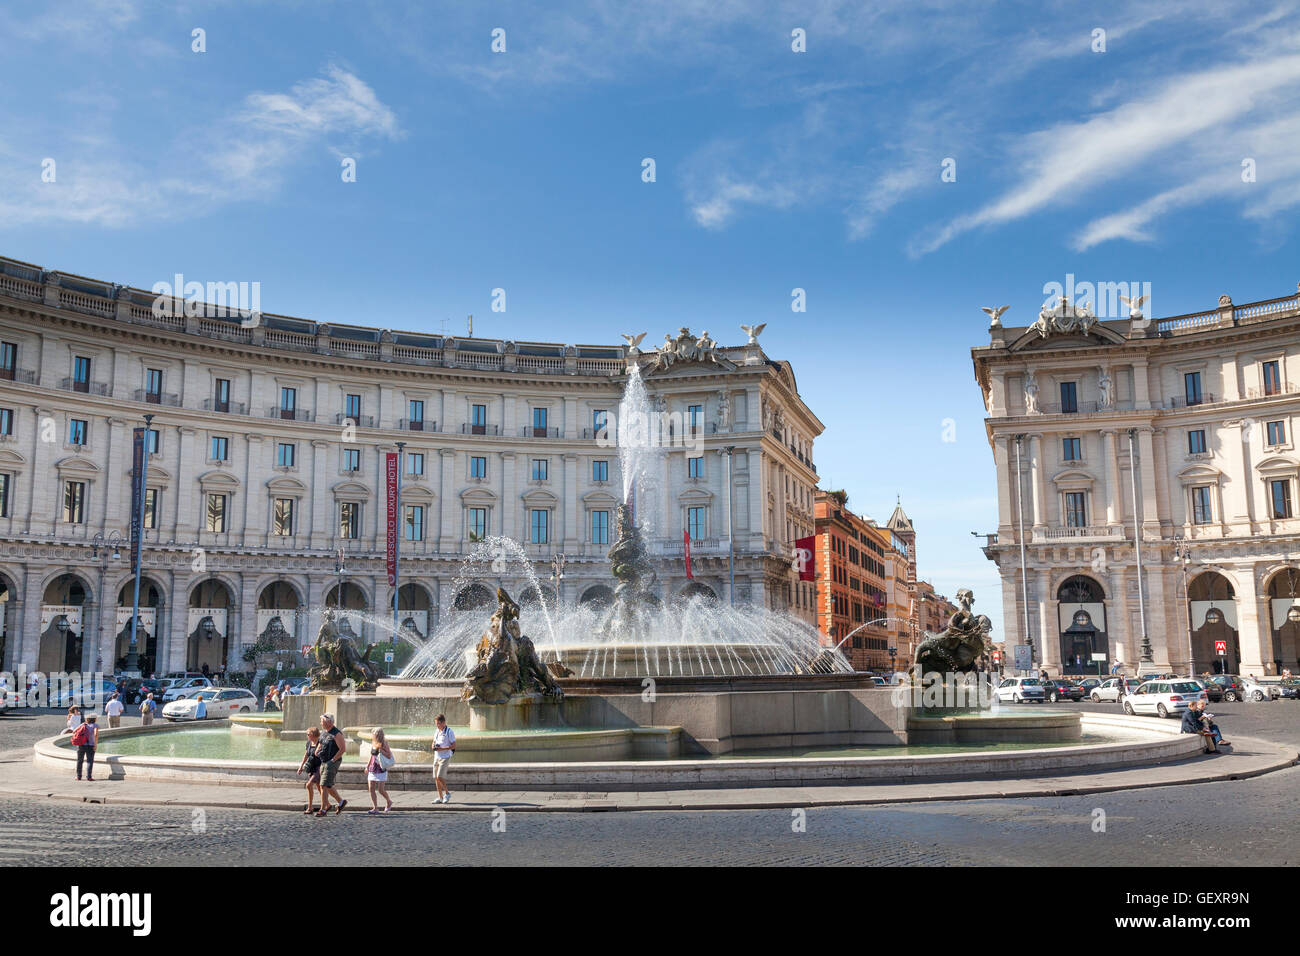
1109 689
187 688
220 703
1165 698
1260 689
1020 689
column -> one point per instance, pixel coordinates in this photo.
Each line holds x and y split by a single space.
1253 623
253 511
178 633
1003 462
320 527
112 513
1150 503
570 502
1038 481
1049 647
185 475
1110 471
448 527
47 439
1141 387
507 521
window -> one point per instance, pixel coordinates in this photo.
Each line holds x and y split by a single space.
153 385
288 402
1272 379
1279 493
415 463
1201 504
1070 449
1192 388
74 502
282 520
697 522
1076 512
151 441
285 454
415 522
1069 397
1196 441
4 495
78 431
81 374
600 471
478 419
350 519
695 467
478 523
1277 433
220 448
477 466
217 513
6 421
538 530
539 422
221 395
150 516
695 416
8 360
600 527
352 408
599 421
351 459
540 468
415 414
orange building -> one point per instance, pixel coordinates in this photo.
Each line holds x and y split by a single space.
853 565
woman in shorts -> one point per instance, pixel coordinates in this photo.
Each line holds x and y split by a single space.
376 772
311 766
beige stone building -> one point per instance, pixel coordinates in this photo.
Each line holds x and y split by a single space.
268 445
1176 435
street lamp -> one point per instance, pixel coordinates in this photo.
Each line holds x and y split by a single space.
132 654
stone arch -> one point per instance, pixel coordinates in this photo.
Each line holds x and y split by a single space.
65 596
153 601
696 589
472 597
356 600
1212 619
599 595
9 596
279 608
532 595
1282 590
415 610
212 605
1081 623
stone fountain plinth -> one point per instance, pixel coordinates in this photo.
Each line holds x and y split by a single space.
520 712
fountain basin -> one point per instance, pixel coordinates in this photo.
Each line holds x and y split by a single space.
994 728
557 745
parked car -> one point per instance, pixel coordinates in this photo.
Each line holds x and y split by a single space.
1233 686
89 694
1256 690
1109 689
1089 684
1021 689
138 687
1164 698
221 702
1059 688
1289 688
1213 692
187 688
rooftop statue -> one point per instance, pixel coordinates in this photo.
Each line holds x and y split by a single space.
1065 319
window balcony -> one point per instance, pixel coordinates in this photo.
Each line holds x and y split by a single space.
88 388
290 414
361 421
226 408
468 429
1081 533
530 431
24 376
417 425
1183 401
1056 408
598 434
157 398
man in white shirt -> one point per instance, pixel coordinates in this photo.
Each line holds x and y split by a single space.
114 710
444 745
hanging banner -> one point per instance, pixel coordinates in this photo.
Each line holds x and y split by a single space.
686 549
414 622
148 618
288 622
52 612
196 618
390 472
803 558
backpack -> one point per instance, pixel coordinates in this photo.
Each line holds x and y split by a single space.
81 736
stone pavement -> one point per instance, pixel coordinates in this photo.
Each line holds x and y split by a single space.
1247 758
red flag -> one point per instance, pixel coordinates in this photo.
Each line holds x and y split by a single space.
686 547
803 560
391 481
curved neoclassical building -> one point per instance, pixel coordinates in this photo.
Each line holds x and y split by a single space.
1170 441
266 463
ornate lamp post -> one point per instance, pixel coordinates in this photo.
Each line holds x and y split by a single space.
132 654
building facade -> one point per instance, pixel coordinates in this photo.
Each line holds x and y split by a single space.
1162 445
265 493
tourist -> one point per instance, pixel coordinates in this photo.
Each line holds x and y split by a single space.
1191 723
381 758
333 746
114 710
74 719
85 738
147 708
200 707
311 766
1207 721
444 747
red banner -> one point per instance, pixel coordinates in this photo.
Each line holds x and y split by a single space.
803 558
390 469
686 548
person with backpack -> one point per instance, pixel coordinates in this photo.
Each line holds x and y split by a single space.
85 738
381 760
147 708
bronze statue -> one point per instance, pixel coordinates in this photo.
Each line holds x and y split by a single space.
961 645
338 660
507 662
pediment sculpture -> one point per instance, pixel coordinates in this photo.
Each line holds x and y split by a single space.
1064 318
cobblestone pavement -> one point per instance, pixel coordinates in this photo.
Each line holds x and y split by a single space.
1249 822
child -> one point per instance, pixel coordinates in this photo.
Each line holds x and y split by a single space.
376 771
85 738
311 764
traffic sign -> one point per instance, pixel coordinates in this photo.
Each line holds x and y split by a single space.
1024 657
1221 647
388 657
279 665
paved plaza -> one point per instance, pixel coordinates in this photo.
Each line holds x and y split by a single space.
1235 821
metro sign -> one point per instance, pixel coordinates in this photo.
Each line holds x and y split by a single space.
1221 647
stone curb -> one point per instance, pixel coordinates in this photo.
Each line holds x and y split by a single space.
1265 757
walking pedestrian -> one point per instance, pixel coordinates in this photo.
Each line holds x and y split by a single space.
444 747
114 710
381 758
86 738
333 746
311 766
200 707
147 708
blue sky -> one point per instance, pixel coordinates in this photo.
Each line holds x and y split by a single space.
775 169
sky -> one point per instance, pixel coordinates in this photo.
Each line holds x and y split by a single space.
903 163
